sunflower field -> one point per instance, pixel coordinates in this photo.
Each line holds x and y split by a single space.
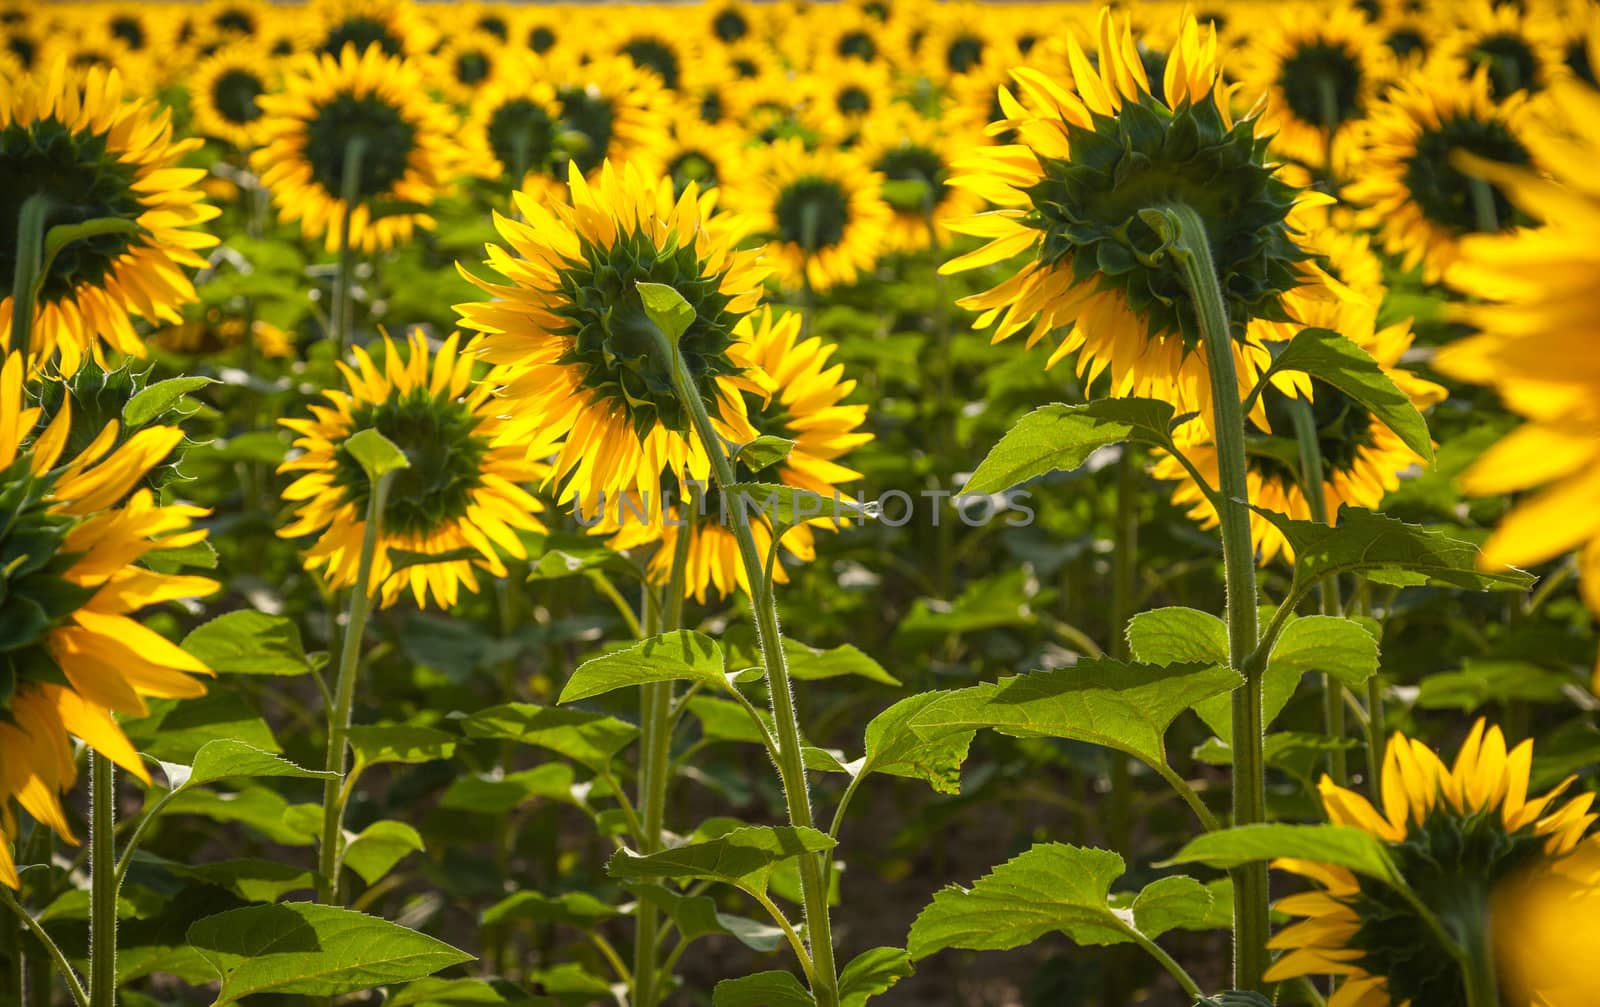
795 504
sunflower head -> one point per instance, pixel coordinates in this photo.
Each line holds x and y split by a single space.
1321 75
224 92
1454 833
73 140
461 490
407 148
569 322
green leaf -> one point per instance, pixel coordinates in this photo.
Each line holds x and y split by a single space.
678 656
176 730
785 506
248 642
763 452
449 992
810 664
491 794
743 857
1234 998
1173 903
375 453
574 909
1330 844
1109 703
1388 551
402 559
1178 636
567 555
872 972
252 878
697 916
403 743
725 720
1342 648
1061 437
378 847
1481 681
764 989
225 759
1053 887
311 950
588 739
155 400
1328 356
257 808
667 309
929 753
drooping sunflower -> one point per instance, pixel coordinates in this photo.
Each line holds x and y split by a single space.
1321 75
580 357
75 531
1519 49
409 151
463 491
394 26
1535 290
1470 843
1410 186
224 91
915 156
1090 157
808 409
820 210
76 139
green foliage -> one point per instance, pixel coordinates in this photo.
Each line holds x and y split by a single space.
1061 437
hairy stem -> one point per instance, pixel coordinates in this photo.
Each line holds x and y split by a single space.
102 882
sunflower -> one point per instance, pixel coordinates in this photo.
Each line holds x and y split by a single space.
960 40
1519 50
1089 160
463 491
820 211
841 32
514 128
76 530
656 42
1460 838
409 152
914 155
569 326
236 20
481 17
1535 347
214 331
467 63
394 26
846 93
701 153
807 409
74 139
223 93
1320 74
730 22
612 111
1411 188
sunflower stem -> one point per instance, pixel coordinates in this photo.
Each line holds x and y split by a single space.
30 260
11 982
333 789
1311 476
102 882
791 763
1483 208
349 184
80 996
1192 250
655 772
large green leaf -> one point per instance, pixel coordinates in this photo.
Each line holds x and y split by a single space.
1343 648
312 950
872 972
1061 437
1110 703
809 663
743 857
375 851
764 989
409 744
697 916
258 808
1335 359
176 730
1330 844
575 909
588 739
1388 551
1053 887
679 656
154 400
226 759
493 794
248 642
1178 636
933 754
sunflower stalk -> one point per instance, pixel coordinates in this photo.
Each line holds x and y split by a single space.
1305 432
349 183
30 265
655 774
14 979
334 793
102 882
1185 233
823 973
